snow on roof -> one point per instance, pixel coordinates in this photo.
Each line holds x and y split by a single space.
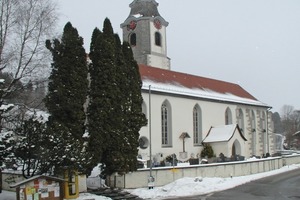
36 177
195 86
222 133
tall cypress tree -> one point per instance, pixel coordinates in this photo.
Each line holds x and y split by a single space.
104 108
95 114
68 87
135 118
119 156
114 113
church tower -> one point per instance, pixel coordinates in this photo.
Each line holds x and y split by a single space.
145 30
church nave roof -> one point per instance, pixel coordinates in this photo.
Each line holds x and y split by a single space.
190 85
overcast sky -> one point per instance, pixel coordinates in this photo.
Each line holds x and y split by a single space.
254 43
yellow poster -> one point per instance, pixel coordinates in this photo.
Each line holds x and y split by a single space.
28 190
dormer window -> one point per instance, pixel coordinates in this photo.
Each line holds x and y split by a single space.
157 39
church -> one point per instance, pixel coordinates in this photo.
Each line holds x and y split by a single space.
185 111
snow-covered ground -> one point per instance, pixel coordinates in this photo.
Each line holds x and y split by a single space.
183 187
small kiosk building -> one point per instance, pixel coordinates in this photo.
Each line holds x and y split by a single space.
40 187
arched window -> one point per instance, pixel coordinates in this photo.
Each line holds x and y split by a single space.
197 125
228 117
132 39
144 109
240 120
166 124
157 39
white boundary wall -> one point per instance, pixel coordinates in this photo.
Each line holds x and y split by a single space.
167 175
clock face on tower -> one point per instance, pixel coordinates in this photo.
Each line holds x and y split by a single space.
157 23
131 25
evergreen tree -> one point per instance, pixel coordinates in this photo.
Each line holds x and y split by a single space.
104 111
118 157
132 108
207 151
114 113
7 142
29 148
95 114
63 149
68 89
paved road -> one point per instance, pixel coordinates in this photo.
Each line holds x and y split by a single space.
7 195
285 186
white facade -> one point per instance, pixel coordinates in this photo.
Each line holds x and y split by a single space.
213 114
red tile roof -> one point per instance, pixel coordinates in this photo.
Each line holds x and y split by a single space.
192 81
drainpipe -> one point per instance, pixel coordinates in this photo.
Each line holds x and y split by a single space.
150 134
267 130
151 178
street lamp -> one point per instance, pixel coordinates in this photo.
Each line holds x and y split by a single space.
151 178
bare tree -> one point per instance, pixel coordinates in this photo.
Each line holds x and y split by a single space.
24 27
287 112
290 122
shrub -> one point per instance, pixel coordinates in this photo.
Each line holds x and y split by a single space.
207 151
169 158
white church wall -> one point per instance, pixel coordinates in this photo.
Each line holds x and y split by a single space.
213 114
181 122
221 147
